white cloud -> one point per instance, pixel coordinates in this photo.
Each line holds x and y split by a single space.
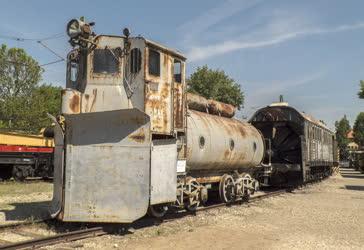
203 52
276 86
213 16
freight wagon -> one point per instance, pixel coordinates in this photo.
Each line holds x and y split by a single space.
24 155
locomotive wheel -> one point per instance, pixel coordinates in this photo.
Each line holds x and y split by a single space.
226 189
248 192
157 211
192 192
19 173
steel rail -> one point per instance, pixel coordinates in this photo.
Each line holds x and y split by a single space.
55 239
249 200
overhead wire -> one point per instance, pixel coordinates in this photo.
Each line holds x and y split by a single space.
41 42
23 39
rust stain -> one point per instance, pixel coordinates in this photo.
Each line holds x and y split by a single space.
208 179
200 103
75 103
178 108
94 92
165 66
227 154
138 136
87 98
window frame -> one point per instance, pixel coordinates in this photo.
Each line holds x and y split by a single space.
118 64
176 62
135 60
158 71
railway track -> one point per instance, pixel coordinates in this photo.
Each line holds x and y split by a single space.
41 241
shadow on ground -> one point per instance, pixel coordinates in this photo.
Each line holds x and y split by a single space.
26 211
355 188
351 173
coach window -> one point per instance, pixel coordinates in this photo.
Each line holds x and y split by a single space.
177 71
154 63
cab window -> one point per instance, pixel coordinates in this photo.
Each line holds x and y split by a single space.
105 61
177 71
135 60
154 63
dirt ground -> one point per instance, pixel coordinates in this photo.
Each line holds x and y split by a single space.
328 215
24 201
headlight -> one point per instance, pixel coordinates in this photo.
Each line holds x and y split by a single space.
74 28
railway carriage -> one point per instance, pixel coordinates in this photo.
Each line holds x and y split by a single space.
301 148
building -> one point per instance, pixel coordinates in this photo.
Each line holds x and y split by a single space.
352 146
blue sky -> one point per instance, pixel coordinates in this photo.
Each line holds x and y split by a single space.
312 52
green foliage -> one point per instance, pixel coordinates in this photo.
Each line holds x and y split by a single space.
361 92
359 129
24 103
215 84
342 129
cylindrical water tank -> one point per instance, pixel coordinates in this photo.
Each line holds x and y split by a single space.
220 143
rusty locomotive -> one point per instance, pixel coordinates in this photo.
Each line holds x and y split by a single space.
133 141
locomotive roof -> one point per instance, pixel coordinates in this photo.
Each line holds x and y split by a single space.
303 115
156 45
162 47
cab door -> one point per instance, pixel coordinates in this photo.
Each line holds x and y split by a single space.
158 90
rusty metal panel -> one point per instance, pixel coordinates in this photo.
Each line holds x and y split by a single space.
179 107
200 103
219 143
158 94
163 171
108 166
71 101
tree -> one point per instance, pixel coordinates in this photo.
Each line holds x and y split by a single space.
24 103
361 92
215 84
342 129
359 129
19 73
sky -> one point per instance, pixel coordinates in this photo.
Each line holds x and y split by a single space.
311 52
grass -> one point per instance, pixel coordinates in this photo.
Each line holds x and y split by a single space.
23 188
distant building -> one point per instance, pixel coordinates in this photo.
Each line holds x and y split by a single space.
352 146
